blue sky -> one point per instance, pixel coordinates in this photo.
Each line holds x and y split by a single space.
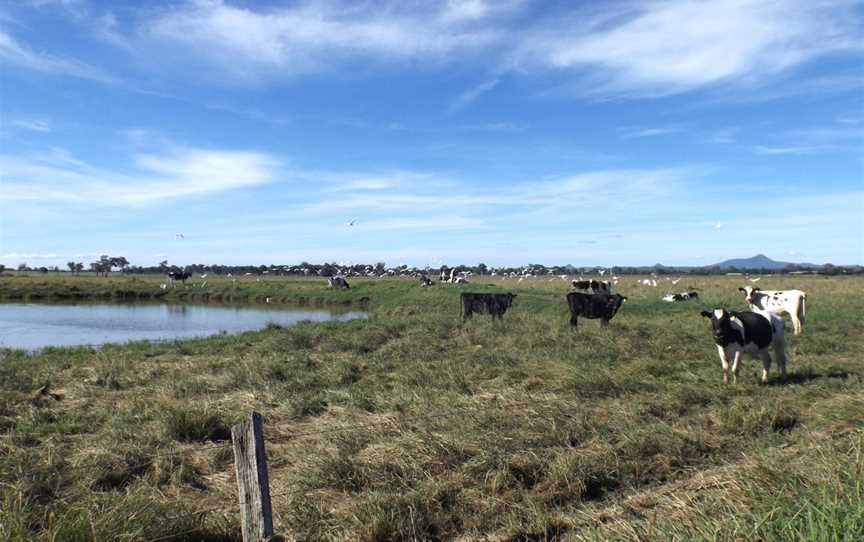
507 132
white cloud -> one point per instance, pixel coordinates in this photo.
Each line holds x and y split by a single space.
666 47
28 256
249 43
632 133
470 96
16 54
35 125
177 174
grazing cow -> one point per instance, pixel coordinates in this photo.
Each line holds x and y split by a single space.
493 304
460 280
178 275
596 286
792 302
683 296
737 333
337 282
426 281
603 306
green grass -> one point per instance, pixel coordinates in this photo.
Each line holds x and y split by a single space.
410 425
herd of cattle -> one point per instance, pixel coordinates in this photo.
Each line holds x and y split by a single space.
735 332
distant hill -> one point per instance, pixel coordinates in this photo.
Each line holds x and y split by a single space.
759 261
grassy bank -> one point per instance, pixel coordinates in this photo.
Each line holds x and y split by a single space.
410 425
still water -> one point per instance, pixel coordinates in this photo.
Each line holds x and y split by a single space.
36 325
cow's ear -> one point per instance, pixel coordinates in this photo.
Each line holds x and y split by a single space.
623 298
757 289
742 290
706 314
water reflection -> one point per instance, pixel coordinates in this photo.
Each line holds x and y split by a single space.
34 325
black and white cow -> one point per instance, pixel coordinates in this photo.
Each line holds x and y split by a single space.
337 282
596 286
792 302
737 333
683 296
494 304
178 275
426 281
603 306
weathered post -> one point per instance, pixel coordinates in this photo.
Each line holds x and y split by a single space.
253 485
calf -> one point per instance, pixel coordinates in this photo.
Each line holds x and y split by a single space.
337 282
603 306
425 281
792 302
737 333
596 286
494 304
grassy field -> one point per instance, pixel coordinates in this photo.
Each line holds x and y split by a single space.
412 426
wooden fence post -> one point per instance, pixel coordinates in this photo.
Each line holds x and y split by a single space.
253 485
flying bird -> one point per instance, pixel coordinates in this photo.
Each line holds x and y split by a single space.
718 225
351 222
757 279
178 236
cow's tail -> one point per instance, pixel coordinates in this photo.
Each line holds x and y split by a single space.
802 308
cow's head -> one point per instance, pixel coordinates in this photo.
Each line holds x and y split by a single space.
613 303
510 298
748 292
720 325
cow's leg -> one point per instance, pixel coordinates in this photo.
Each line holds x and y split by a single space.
780 352
724 364
736 365
796 323
574 320
766 364
604 322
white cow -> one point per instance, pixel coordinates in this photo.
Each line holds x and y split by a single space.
792 302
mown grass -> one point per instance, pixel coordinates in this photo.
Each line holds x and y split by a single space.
410 425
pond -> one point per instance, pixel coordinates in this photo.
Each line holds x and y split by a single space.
36 325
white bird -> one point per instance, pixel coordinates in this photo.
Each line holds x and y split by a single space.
351 222
718 225
757 279
266 300
247 274
676 281
204 276
602 272
229 275
178 236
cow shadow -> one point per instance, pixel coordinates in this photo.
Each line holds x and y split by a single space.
807 375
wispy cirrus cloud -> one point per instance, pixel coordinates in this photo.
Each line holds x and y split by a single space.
34 125
635 132
183 172
310 37
17 54
471 95
661 48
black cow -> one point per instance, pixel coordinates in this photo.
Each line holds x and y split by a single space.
596 286
494 304
178 275
603 306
